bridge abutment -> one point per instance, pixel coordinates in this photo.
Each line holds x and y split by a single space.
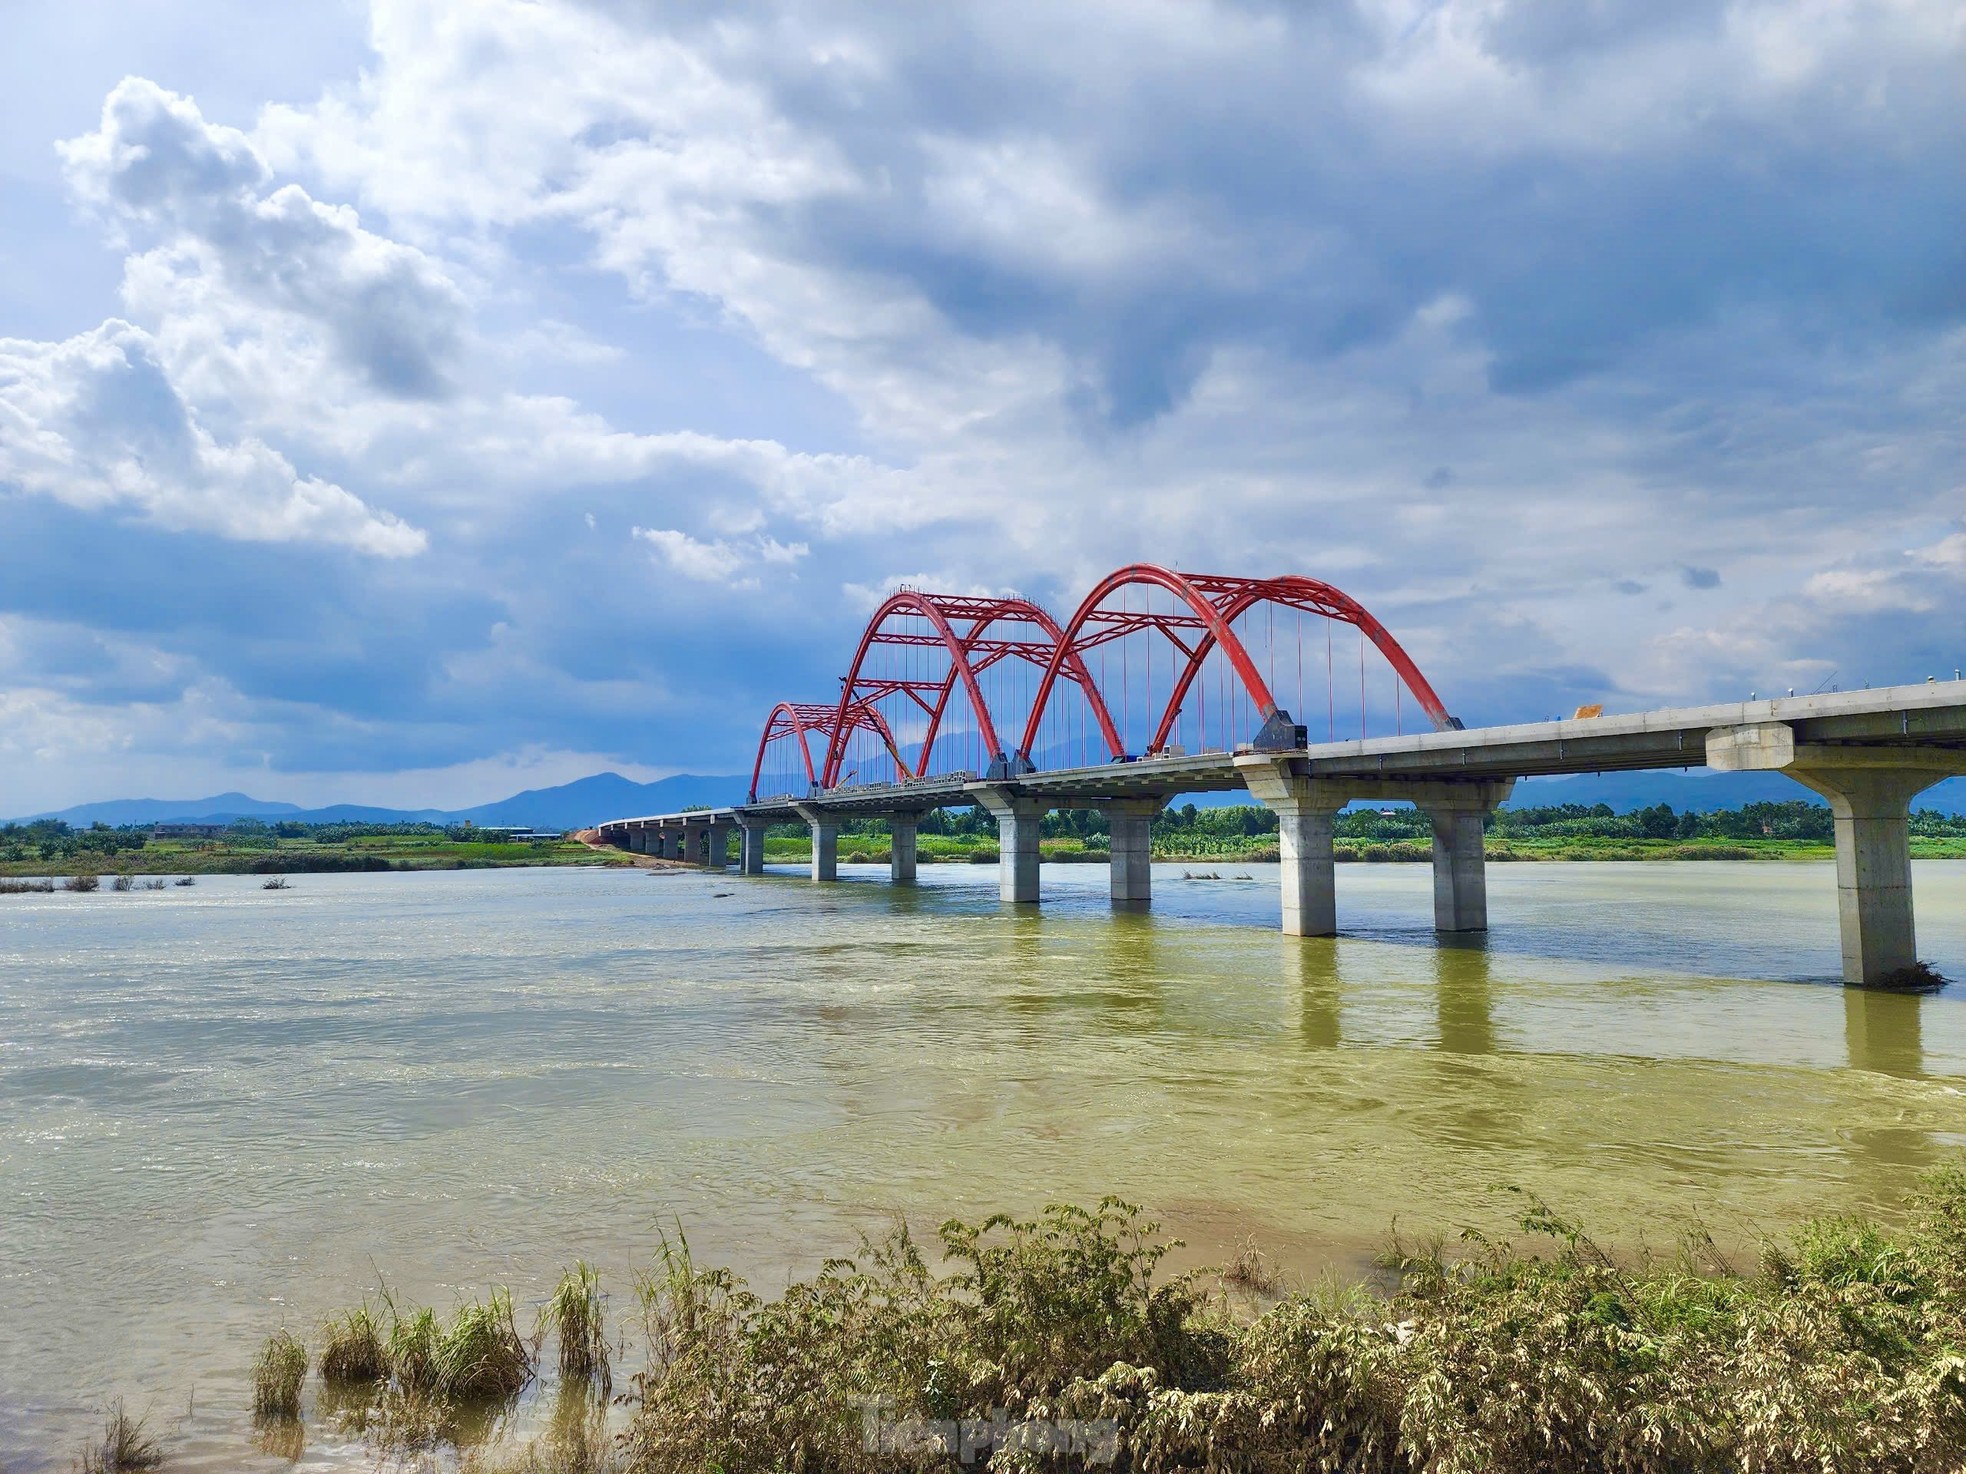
1018 820
1131 822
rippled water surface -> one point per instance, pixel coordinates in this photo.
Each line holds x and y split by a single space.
222 1108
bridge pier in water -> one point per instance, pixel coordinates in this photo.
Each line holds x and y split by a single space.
1869 790
1307 810
1131 826
751 845
1018 822
902 829
825 829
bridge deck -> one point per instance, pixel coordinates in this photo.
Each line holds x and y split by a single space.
1931 715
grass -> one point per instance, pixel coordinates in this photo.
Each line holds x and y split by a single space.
123 1448
574 1316
278 1374
352 1353
480 1356
1842 1350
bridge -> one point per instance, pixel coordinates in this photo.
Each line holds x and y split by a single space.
1163 683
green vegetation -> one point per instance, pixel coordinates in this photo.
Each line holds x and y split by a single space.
1058 1343
1797 830
124 1447
1787 831
352 1353
575 1319
48 847
277 1377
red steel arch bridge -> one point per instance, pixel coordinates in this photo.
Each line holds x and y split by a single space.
1164 682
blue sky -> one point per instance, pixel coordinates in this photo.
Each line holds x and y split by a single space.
413 401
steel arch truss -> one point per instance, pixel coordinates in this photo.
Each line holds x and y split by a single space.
1208 606
801 721
971 632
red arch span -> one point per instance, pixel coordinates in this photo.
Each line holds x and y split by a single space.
980 613
798 719
1217 601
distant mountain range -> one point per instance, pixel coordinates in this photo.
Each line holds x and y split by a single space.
570 806
610 796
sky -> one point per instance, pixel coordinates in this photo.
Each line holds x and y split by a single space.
415 401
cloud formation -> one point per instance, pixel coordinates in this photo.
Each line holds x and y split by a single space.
1574 340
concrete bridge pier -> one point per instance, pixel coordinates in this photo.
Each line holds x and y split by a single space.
1131 822
638 841
1018 819
694 832
669 843
825 841
1870 790
716 838
902 829
1306 810
751 846
1460 860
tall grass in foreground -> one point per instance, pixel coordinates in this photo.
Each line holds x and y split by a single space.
575 1318
277 1377
1842 1350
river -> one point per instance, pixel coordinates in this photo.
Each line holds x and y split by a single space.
224 1109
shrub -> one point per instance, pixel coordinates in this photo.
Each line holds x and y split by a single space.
82 883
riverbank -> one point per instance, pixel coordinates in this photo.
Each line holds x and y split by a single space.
1060 1342
266 854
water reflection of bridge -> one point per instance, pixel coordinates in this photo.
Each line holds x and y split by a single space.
939 681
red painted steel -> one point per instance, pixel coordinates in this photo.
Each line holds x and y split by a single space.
1212 605
1215 603
971 652
798 720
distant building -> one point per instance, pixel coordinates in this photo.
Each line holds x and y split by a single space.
187 831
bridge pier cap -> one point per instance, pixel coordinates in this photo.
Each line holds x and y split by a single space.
1869 787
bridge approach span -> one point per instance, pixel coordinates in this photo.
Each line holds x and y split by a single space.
1869 753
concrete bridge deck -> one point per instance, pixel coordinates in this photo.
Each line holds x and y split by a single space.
1867 752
